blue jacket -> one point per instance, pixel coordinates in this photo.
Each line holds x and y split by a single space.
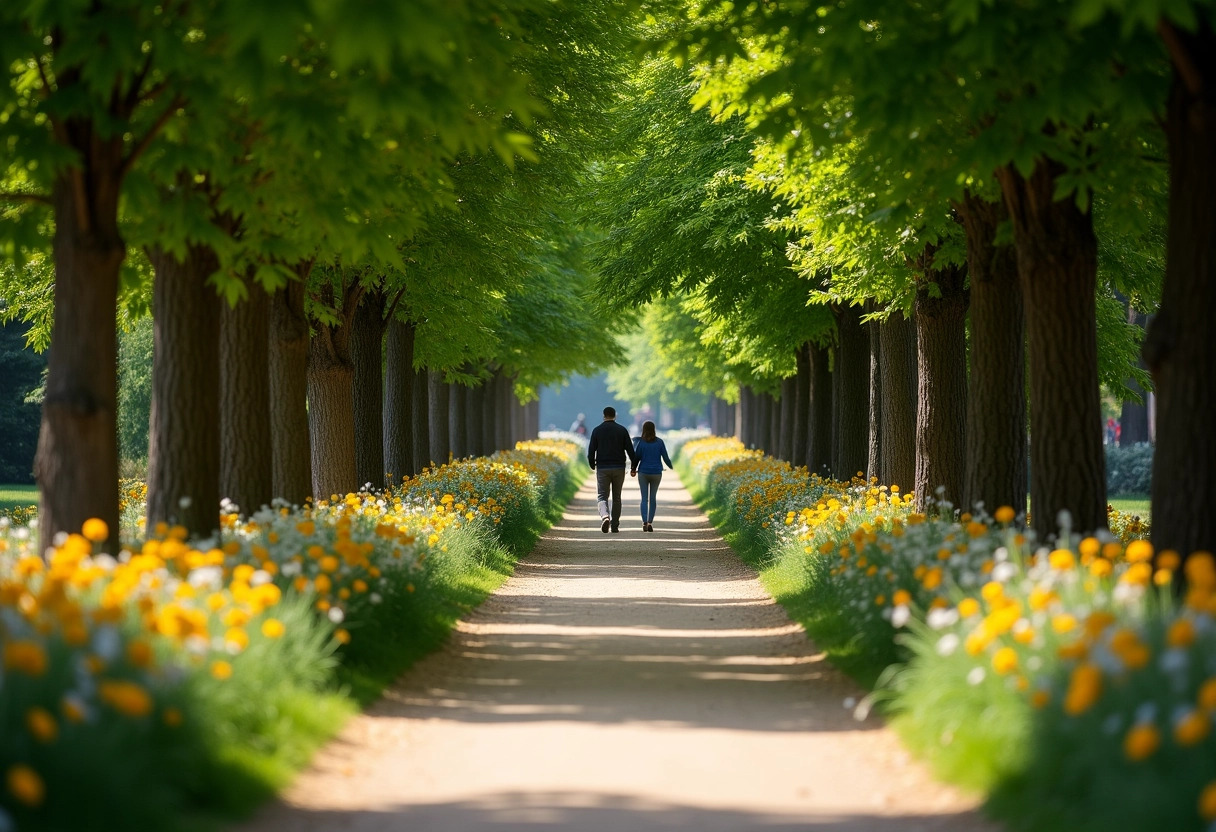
651 456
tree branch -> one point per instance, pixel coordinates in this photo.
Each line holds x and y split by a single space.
149 136
14 196
46 82
392 307
1183 60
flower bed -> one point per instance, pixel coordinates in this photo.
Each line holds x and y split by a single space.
193 676
1066 682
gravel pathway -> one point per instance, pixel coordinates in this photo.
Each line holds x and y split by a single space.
620 682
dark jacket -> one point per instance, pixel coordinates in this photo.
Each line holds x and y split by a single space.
609 445
651 456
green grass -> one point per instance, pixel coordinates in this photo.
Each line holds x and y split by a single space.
18 496
1138 504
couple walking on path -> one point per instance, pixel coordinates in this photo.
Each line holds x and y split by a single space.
607 451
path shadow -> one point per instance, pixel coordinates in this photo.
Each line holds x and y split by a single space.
524 812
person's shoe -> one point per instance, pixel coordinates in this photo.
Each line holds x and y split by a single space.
648 528
616 529
604 525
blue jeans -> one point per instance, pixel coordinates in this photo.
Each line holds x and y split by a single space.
649 484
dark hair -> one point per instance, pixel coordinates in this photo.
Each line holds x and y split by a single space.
648 431
609 412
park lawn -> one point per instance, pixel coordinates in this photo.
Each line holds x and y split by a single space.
1138 504
18 496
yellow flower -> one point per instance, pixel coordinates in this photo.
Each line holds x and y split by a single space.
95 529
1207 801
1062 560
1181 633
1005 661
1064 623
968 607
1141 742
1207 695
1040 699
172 717
1193 728
1084 688
221 670
273 628
1005 514
25 785
992 591
1139 551
127 698
901 597
41 724
25 656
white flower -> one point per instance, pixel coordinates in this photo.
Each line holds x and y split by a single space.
1003 572
976 675
900 615
59 539
1174 661
207 577
947 644
336 615
940 619
290 569
260 577
184 503
850 702
1146 712
375 598
107 643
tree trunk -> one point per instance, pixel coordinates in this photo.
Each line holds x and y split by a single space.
420 381
502 422
1057 268
746 417
367 356
785 439
1181 342
996 403
331 413
851 419
291 455
489 412
437 401
763 420
458 417
246 446
399 400
899 401
79 412
474 415
823 410
1133 420
941 411
801 428
874 456
517 421
184 434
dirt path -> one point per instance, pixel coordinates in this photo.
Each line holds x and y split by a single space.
620 682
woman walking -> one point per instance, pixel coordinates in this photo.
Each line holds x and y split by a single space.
652 453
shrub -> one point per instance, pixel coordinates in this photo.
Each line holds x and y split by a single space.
1129 470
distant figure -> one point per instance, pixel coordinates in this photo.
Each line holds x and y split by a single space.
606 453
652 453
580 425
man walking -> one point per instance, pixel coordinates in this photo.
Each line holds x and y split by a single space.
606 452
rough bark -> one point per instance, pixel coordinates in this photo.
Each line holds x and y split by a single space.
851 417
367 356
874 446
785 438
502 421
899 397
79 412
420 382
473 418
823 410
996 403
1133 418
458 413
184 429
746 417
1057 268
1181 343
800 428
764 420
941 410
399 400
437 402
331 404
246 449
489 412
291 469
